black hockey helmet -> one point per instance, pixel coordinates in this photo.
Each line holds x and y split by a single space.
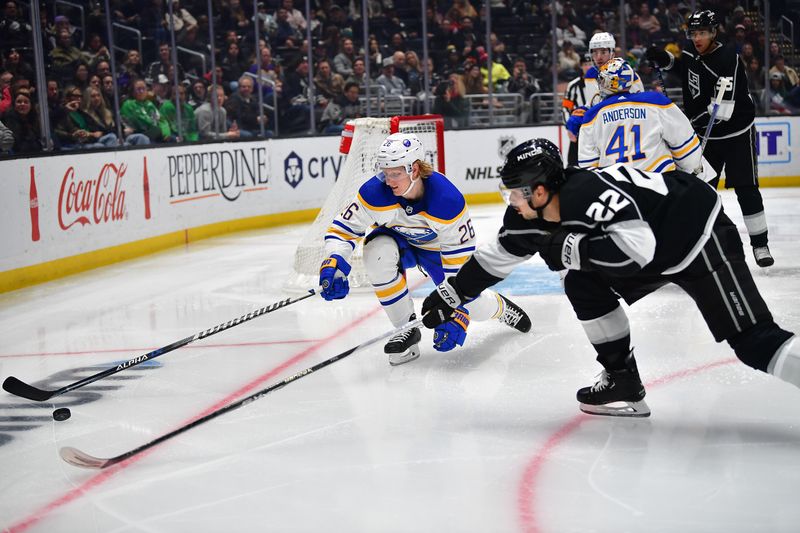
531 163
704 19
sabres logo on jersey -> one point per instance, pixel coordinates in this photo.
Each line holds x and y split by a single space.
415 234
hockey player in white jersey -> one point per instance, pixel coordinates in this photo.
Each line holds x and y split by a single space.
410 216
602 46
644 130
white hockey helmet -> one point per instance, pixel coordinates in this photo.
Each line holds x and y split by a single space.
602 40
399 150
616 76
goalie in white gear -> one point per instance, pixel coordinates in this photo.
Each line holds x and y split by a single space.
644 130
601 47
409 215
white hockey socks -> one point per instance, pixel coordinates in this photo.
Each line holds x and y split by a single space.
785 363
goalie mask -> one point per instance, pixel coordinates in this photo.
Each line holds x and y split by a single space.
399 150
616 76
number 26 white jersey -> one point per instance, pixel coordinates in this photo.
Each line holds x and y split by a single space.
644 130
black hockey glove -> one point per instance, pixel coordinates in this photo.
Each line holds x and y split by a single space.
658 55
565 250
438 307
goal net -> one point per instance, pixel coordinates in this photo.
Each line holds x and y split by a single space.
361 139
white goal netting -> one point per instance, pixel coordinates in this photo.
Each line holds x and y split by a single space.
367 136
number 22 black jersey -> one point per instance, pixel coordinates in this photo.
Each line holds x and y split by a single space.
637 221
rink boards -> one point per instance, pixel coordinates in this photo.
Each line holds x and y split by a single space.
63 214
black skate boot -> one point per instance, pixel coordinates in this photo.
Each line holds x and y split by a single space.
613 387
404 347
514 316
763 256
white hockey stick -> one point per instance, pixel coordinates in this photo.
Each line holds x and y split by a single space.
723 86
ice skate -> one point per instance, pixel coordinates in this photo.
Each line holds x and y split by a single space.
514 316
403 347
763 256
613 389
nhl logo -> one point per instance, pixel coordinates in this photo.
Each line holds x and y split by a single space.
506 144
293 169
409 209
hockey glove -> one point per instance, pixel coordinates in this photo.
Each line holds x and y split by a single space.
453 333
575 120
438 307
565 250
659 56
333 278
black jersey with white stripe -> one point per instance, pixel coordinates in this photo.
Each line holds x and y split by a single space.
517 241
637 221
700 75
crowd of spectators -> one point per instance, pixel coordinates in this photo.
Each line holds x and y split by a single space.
263 56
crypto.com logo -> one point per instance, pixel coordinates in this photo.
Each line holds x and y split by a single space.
293 169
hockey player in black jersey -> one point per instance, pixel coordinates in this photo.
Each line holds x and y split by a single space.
620 232
731 143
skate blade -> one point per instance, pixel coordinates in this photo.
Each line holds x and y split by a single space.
409 355
630 409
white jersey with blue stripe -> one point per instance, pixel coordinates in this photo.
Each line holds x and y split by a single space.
438 222
644 130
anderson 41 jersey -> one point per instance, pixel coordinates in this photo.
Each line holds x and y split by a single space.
644 130
438 222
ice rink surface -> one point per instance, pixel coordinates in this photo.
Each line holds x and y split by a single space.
487 438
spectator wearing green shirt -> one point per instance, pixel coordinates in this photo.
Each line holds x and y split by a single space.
140 115
188 121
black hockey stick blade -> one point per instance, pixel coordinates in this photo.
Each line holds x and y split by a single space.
82 459
18 387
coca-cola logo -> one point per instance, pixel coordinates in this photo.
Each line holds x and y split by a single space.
92 200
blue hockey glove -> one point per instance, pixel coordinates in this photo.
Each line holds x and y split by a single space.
333 278
451 334
575 120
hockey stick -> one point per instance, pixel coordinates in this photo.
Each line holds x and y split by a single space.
81 459
18 387
723 86
660 77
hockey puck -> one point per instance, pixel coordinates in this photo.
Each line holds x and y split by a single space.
61 414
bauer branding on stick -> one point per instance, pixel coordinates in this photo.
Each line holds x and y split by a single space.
61 414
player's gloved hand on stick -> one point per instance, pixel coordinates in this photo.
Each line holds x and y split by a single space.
658 55
439 305
565 250
333 278
453 333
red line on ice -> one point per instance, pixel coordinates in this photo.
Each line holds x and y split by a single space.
526 493
105 475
